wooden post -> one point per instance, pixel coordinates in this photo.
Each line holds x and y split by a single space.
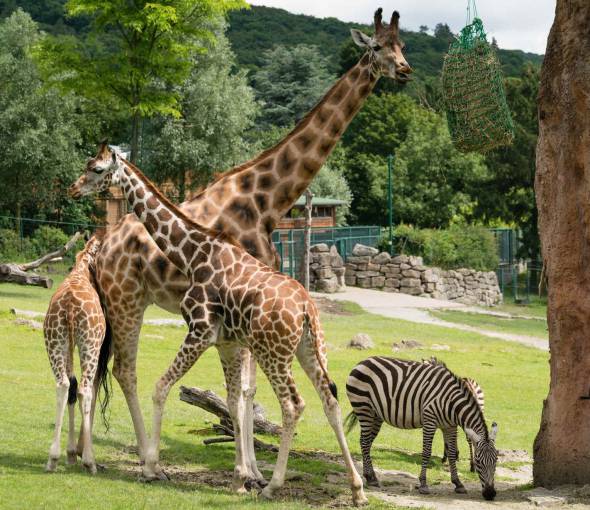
307 237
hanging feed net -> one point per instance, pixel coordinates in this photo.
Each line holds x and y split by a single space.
475 101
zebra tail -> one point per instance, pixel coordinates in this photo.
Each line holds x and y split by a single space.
350 422
313 332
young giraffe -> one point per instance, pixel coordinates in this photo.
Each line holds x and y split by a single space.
232 297
246 203
75 319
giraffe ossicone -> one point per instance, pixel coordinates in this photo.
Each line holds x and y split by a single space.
247 203
232 299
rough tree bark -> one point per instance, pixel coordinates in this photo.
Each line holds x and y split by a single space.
562 184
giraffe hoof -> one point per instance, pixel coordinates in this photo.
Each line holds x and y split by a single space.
267 492
91 468
360 500
72 458
51 466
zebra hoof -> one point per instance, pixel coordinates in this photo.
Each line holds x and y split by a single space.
372 481
423 489
460 489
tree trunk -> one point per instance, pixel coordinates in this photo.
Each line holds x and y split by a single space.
307 237
562 183
135 126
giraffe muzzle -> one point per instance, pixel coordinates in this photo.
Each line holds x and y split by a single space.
74 191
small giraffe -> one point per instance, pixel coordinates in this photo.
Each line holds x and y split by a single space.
232 299
245 202
75 318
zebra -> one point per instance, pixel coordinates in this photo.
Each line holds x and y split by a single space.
477 391
411 394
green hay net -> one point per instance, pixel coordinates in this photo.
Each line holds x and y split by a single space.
475 101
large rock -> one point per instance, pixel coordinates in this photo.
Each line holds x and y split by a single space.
319 248
360 250
382 258
360 341
328 285
335 258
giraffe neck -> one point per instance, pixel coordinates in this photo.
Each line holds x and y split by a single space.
175 234
278 176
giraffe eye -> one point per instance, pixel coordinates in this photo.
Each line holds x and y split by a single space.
376 47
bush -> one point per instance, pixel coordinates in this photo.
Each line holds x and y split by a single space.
46 239
11 249
456 247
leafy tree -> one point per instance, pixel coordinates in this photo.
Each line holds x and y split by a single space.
135 53
289 83
330 183
217 107
38 133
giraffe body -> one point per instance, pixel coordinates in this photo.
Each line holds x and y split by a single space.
233 301
75 319
246 203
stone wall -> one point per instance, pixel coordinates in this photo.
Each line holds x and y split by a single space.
369 269
326 269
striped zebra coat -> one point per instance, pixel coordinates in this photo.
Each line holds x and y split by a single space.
412 394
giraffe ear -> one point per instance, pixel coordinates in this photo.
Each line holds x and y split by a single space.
361 39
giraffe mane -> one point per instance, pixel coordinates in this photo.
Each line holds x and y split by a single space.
300 126
221 236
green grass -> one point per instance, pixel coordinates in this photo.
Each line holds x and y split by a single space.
537 307
530 327
514 377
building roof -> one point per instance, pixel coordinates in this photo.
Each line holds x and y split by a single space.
319 201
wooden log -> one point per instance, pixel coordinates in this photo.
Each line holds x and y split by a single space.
17 273
212 403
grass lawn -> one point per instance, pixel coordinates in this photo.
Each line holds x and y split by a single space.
517 326
514 378
536 307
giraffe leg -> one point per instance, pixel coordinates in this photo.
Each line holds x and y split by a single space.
309 356
292 406
250 392
230 354
196 343
450 436
125 343
428 430
61 394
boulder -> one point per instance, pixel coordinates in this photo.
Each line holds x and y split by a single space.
382 258
360 341
319 248
335 258
360 250
328 285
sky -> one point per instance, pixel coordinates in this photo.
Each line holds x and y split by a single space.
516 24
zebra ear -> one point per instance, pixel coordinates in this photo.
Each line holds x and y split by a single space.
494 431
474 436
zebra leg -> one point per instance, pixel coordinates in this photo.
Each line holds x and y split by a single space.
428 430
471 463
451 440
445 456
370 427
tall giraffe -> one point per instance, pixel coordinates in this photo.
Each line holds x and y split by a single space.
246 202
75 319
232 300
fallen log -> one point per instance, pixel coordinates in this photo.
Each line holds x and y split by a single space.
212 403
17 273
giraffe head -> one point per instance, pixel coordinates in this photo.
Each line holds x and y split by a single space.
485 458
100 173
385 48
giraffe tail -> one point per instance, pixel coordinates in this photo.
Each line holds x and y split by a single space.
103 375
314 333
73 389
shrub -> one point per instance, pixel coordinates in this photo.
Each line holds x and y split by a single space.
46 239
458 246
11 249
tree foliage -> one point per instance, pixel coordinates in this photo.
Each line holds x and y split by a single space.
330 183
135 54
217 108
38 130
289 82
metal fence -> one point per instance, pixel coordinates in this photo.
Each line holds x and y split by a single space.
289 243
520 281
508 243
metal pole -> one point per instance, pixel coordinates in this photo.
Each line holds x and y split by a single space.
390 200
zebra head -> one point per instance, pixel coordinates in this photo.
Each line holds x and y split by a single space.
485 458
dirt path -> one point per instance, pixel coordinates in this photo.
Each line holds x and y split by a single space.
416 309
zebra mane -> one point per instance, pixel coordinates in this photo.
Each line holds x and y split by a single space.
464 387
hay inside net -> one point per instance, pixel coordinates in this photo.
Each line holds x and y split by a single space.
475 101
